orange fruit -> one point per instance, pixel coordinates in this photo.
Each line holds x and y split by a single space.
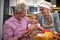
49 34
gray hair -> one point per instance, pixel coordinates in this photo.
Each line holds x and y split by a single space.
20 7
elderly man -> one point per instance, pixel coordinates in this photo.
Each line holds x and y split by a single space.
16 25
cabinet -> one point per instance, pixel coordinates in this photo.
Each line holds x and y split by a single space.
13 3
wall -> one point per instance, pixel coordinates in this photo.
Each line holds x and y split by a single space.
12 3
53 2
28 2
1 17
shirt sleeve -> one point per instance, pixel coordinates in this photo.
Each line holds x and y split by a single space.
29 25
57 22
38 25
8 33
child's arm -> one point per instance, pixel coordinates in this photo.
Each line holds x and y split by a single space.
39 27
30 28
28 31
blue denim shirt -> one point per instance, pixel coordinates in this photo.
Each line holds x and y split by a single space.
56 22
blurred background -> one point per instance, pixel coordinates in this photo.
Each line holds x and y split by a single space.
7 9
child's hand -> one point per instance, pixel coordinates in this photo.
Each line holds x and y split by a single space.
33 27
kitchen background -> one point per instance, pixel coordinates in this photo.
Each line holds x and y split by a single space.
7 8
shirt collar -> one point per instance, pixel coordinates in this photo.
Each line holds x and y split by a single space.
13 19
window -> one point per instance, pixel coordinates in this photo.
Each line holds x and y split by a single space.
32 9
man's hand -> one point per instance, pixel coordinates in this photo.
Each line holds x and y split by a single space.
23 36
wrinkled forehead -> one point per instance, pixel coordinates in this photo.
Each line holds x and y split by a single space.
21 11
